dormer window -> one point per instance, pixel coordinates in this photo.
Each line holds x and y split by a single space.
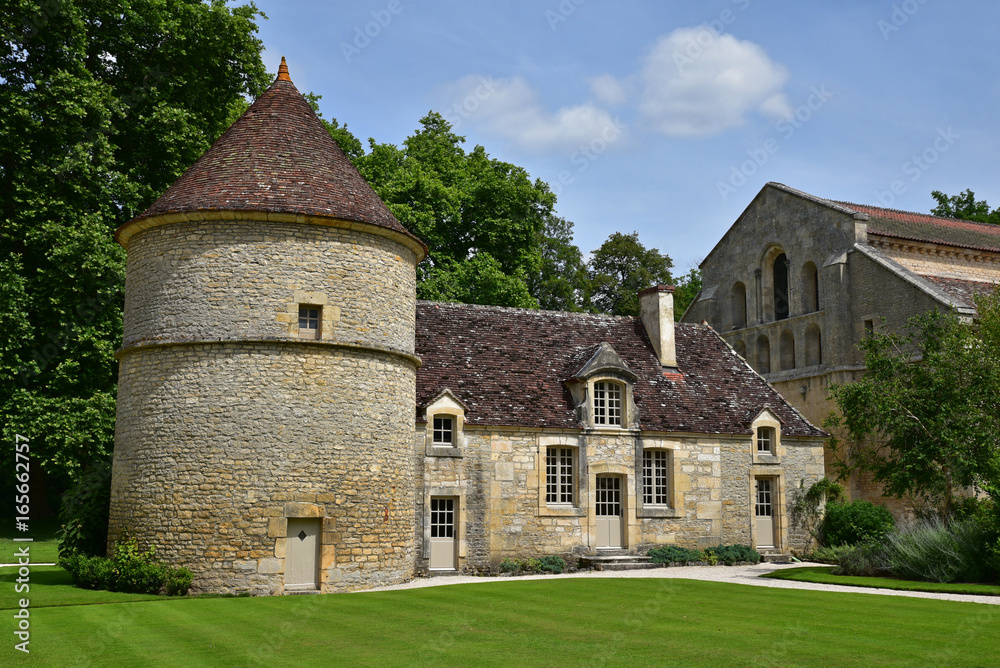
607 404
444 431
310 318
765 440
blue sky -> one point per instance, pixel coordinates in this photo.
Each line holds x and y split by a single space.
667 118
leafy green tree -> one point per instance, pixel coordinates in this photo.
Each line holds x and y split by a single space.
686 289
102 106
622 267
925 417
561 282
964 207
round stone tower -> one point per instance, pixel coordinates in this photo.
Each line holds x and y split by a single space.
265 425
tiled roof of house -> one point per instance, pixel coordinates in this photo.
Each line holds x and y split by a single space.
508 367
962 290
928 228
277 157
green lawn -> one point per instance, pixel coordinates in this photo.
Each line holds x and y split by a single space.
565 622
44 547
824 575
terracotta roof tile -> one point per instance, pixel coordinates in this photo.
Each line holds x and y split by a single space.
928 228
277 157
508 366
961 289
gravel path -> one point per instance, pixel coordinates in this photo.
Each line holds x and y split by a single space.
746 575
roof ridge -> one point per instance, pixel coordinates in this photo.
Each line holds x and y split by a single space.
916 213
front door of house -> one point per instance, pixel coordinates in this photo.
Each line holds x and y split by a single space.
764 512
302 554
609 512
443 552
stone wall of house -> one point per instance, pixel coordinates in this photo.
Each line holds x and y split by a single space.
228 425
498 478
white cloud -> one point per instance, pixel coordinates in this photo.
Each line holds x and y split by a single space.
608 90
696 82
511 108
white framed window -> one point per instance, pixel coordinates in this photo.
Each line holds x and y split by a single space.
560 475
310 317
655 478
444 430
607 404
765 440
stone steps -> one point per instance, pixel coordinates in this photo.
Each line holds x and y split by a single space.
617 562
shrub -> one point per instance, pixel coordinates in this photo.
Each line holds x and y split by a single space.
868 559
732 554
828 555
552 564
855 523
129 570
509 566
935 552
84 513
672 554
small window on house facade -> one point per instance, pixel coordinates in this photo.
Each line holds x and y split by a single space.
560 468
607 404
655 485
765 440
444 431
310 318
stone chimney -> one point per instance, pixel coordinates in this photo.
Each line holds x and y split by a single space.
656 308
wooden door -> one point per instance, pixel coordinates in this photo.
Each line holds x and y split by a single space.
609 512
443 556
302 554
764 512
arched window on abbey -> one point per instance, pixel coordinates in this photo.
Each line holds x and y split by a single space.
780 283
809 280
814 351
787 351
762 362
738 306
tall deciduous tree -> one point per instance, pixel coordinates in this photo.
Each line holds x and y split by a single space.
925 417
964 206
621 268
102 105
561 282
687 288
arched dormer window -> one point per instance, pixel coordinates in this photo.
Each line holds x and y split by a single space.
602 391
607 398
445 415
766 438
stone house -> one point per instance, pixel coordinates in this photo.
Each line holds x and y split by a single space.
290 418
798 280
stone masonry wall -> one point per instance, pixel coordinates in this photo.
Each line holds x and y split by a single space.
217 445
221 278
499 481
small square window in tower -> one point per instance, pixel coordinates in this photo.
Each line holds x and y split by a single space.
310 318
444 432
765 440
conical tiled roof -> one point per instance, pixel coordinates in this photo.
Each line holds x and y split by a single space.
277 157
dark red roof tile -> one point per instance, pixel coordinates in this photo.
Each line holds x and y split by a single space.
933 229
277 157
508 367
961 289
